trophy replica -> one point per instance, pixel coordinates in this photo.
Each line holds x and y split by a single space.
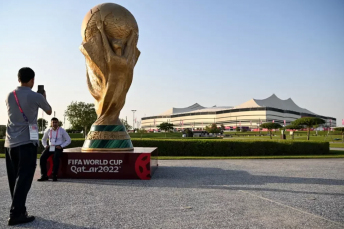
110 34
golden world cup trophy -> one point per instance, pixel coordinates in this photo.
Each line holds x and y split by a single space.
110 34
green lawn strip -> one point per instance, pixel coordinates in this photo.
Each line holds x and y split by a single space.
333 154
336 145
2 155
254 157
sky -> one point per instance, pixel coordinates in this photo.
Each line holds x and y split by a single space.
214 52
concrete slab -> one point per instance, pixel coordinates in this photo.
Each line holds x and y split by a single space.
299 193
332 148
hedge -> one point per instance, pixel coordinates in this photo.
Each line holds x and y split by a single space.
209 147
278 132
173 147
71 135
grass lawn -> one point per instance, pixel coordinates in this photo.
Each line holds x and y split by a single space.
244 135
302 137
337 145
332 154
2 155
156 135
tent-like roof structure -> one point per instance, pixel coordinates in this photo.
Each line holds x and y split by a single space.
174 110
193 108
274 101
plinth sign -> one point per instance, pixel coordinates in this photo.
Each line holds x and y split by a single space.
110 34
140 163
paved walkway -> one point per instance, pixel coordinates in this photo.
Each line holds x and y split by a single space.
331 148
302 193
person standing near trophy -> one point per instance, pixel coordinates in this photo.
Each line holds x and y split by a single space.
22 141
58 139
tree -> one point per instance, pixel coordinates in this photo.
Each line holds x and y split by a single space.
76 129
342 130
222 127
292 127
71 131
309 122
45 123
260 130
165 126
142 131
188 132
42 124
270 126
212 128
126 124
81 114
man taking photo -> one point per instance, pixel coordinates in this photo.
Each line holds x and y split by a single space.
22 141
58 139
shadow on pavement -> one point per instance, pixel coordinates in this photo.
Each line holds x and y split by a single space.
44 223
214 178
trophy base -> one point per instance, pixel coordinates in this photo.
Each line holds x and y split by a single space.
107 138
85 150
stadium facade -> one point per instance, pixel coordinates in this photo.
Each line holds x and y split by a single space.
247 115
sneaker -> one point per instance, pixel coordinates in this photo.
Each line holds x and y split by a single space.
43 178
54 178
23 218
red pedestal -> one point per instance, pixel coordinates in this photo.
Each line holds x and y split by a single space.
50 163
140 163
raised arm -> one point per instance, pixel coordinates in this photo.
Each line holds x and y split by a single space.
108 50
43 104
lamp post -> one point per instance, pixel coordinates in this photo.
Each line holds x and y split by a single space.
133 119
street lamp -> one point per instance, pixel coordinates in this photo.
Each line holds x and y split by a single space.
133 119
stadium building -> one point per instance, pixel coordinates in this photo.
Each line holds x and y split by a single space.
248 115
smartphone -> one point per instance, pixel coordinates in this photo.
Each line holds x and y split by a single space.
41 89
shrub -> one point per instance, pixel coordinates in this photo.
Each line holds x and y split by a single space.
75 143
188 132
71 135
188 147
213 128
212 147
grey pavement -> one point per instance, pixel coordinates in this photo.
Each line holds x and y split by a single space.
332 148
299 193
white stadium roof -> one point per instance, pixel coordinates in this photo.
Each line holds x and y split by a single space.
274 101
193 108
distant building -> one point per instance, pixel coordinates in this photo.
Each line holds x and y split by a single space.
248 115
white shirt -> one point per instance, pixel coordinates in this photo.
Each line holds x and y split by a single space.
62 139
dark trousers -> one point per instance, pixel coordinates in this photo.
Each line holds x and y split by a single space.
21 164
56 160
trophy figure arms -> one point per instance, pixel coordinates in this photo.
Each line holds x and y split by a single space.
109 84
